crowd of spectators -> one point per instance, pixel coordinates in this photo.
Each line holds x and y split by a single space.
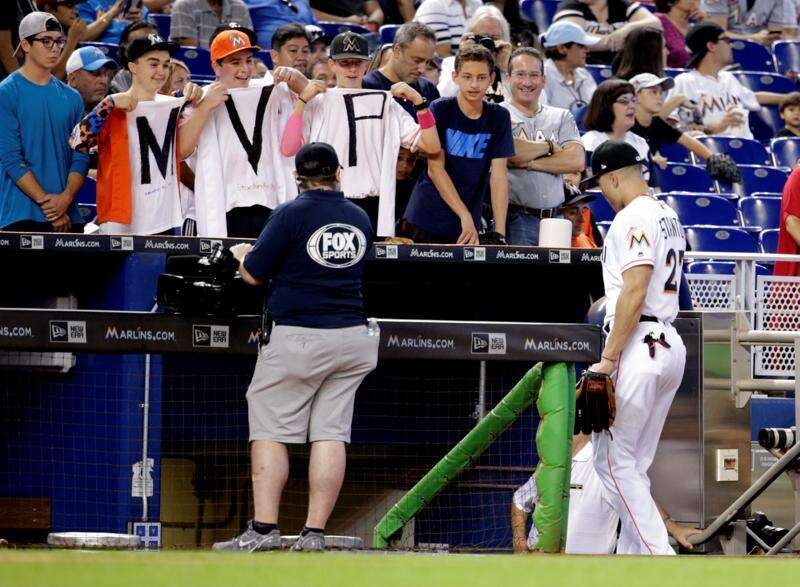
517 111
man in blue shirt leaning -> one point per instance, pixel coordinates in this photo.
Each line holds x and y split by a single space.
39 173
313 250
445 206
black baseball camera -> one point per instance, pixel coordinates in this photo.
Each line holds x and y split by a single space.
484 40
196 285
780 438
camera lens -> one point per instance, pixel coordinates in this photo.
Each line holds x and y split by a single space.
487 42
780 438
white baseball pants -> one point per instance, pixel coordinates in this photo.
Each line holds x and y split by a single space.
645 387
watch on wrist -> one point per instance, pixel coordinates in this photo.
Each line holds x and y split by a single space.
422 105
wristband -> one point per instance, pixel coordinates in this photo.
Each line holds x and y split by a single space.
608 359
426 120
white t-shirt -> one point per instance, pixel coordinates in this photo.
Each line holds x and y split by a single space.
367 129
233 169
715 96
447 18
594 138
527 496
645 232
155 194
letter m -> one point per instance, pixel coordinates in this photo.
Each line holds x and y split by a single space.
161 153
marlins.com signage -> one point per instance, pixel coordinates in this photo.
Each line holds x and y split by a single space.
337 246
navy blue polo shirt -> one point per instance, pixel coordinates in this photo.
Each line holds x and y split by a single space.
314 248
375 80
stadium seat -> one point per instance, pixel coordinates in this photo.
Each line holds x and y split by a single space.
162 22
702 209
720 239
540 12
674 71
600 73
198 60
768 239
743 151
601 211
680 177
759 178
675 153
109 50
726 195
88 211
387 32
719 268
787 56
88 192
331 29
786 151
266 58
752 56
762 212
603 228
765 81
764 123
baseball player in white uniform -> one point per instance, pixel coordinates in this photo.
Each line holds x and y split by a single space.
584 485
643 353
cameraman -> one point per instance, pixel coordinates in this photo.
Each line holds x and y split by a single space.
313 250
487 27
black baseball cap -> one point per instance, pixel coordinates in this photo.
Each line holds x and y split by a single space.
574 196
316 160
697 40
349 45
138 47
612 156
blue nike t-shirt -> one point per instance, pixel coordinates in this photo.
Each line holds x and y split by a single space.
469 145
314 249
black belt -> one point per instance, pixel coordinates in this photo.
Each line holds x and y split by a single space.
642 318
537 212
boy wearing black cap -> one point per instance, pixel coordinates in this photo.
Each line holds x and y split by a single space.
320 349
140 142
724 103
365 127
39 174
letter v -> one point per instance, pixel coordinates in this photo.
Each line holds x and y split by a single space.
252 148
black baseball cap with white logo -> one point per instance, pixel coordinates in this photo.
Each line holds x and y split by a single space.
349 45
612 156
316 160
142 45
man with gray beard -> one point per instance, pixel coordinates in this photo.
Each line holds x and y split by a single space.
546 144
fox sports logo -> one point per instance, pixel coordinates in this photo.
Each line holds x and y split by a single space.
337 246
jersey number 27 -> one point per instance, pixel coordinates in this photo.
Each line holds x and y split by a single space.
671 284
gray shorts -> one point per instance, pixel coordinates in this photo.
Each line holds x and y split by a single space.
305 383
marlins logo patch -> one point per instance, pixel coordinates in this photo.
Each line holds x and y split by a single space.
637 238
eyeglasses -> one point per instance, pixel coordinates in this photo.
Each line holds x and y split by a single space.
627 101
48 42
531 75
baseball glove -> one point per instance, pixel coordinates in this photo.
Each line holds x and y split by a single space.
492 238
595 403
723 168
